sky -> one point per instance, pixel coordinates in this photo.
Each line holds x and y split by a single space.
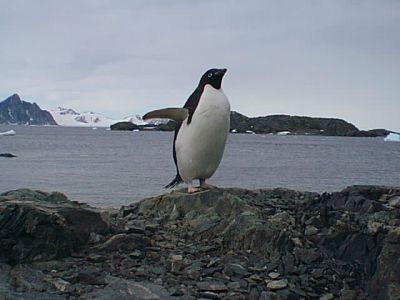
326 58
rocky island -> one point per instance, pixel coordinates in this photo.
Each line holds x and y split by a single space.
274 124
219 244
15 111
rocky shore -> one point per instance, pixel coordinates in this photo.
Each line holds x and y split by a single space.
219 244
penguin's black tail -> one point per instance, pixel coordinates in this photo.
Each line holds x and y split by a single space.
177 180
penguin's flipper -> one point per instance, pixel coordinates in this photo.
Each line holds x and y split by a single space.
176 114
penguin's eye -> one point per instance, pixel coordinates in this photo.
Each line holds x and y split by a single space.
210 75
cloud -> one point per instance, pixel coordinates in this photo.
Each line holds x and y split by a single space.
329 58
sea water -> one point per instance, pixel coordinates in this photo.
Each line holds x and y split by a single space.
113 168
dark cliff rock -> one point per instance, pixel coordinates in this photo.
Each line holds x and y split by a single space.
126 126
40 226
372 133
15 111
168 126
292 124
223 244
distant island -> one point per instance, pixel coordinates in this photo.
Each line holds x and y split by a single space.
15 111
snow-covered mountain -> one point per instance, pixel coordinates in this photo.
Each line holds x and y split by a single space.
69 117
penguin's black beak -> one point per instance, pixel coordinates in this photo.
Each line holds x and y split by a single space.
221 72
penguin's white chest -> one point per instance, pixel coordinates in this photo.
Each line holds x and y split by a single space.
200 145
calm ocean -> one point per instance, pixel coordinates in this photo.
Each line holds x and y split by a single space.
113 168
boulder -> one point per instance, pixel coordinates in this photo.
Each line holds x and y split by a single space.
35 225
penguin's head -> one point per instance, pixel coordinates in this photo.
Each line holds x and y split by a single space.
213 77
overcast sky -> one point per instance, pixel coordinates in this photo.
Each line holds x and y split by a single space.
316 58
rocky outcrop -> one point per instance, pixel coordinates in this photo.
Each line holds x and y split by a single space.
225 244
15 111
159 126
40 226
9 155
275 124
292 124
372 133
125 126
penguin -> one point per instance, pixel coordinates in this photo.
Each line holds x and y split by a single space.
202 128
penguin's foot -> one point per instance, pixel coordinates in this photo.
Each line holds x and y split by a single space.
192 189
205 185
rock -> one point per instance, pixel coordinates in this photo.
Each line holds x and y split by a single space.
126 126
371 133
277 284
9 155
234 285
232 269
126 289
61 285
123 241
15 111
292 124
42 226
177 257
213 286
274 275
307 256
174 214
224 244
328 296
92 277
394 202
297 242
169 126
310 230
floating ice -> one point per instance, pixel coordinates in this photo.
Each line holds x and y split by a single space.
392 137
283 133
8 133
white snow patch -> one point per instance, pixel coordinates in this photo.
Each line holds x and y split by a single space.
392 137
69 117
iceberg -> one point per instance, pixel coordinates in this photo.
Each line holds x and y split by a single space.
283 132
392 137
8 133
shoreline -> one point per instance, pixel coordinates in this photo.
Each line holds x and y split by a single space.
227 243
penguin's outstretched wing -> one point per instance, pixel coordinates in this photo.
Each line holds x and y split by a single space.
176 114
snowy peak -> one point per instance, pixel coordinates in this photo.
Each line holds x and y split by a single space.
69 117
67 111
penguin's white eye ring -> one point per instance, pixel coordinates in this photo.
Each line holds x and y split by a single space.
210 75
